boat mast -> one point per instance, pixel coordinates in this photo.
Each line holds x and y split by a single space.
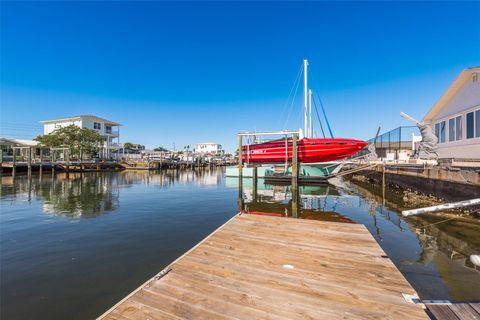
310 126
305 97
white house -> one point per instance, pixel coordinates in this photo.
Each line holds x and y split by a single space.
209 147
456 117
109 130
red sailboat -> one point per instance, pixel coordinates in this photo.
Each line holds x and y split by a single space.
310 150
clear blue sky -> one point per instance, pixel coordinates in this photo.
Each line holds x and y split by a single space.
192 72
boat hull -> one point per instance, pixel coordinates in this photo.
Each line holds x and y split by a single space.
310 150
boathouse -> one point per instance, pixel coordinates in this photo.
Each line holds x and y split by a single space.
456 117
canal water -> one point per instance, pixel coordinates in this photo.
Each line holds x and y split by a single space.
72 246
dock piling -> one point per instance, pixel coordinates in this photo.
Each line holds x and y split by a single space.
29 161
294 176
255 181
240 175
14 163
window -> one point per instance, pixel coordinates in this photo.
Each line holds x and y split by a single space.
451 130
442 131
455 129
458 125
470 124
437 131
108 129
477 122
97 125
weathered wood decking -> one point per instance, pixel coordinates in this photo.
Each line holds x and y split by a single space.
260 267
455 311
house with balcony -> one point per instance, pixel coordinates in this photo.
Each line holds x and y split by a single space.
109 130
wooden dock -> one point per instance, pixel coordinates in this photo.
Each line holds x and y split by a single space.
264 267
455 311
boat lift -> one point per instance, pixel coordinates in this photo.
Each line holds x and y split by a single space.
295 134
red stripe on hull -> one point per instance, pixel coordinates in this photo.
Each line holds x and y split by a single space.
309 150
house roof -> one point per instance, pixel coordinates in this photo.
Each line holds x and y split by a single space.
457 84
83 116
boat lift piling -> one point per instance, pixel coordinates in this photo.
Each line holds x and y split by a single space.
294 164
240 174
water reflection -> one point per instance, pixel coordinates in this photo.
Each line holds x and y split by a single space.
313 202
92 194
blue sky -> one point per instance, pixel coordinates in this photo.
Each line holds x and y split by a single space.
188 72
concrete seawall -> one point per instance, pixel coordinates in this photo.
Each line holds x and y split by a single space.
445 182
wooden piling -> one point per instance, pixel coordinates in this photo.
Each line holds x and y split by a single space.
383 183
81 161
29 168
294 176
14 163
255 181
40 167
67 158
294 160
240 175
52 159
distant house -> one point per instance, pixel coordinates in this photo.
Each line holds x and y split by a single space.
109 130
456 117
209 147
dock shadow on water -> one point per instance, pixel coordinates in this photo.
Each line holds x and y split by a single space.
72 246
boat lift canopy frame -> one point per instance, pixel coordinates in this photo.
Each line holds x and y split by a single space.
285 133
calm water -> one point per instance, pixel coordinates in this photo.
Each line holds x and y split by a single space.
73 246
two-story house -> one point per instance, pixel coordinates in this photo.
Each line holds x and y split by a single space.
109 130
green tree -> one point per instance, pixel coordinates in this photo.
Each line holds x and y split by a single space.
128 145
77 140
160 149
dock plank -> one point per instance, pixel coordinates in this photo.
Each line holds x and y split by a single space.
464 311
262 267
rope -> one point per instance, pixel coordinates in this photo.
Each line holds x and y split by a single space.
324 114
318 116
323 109
291 104
294 85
